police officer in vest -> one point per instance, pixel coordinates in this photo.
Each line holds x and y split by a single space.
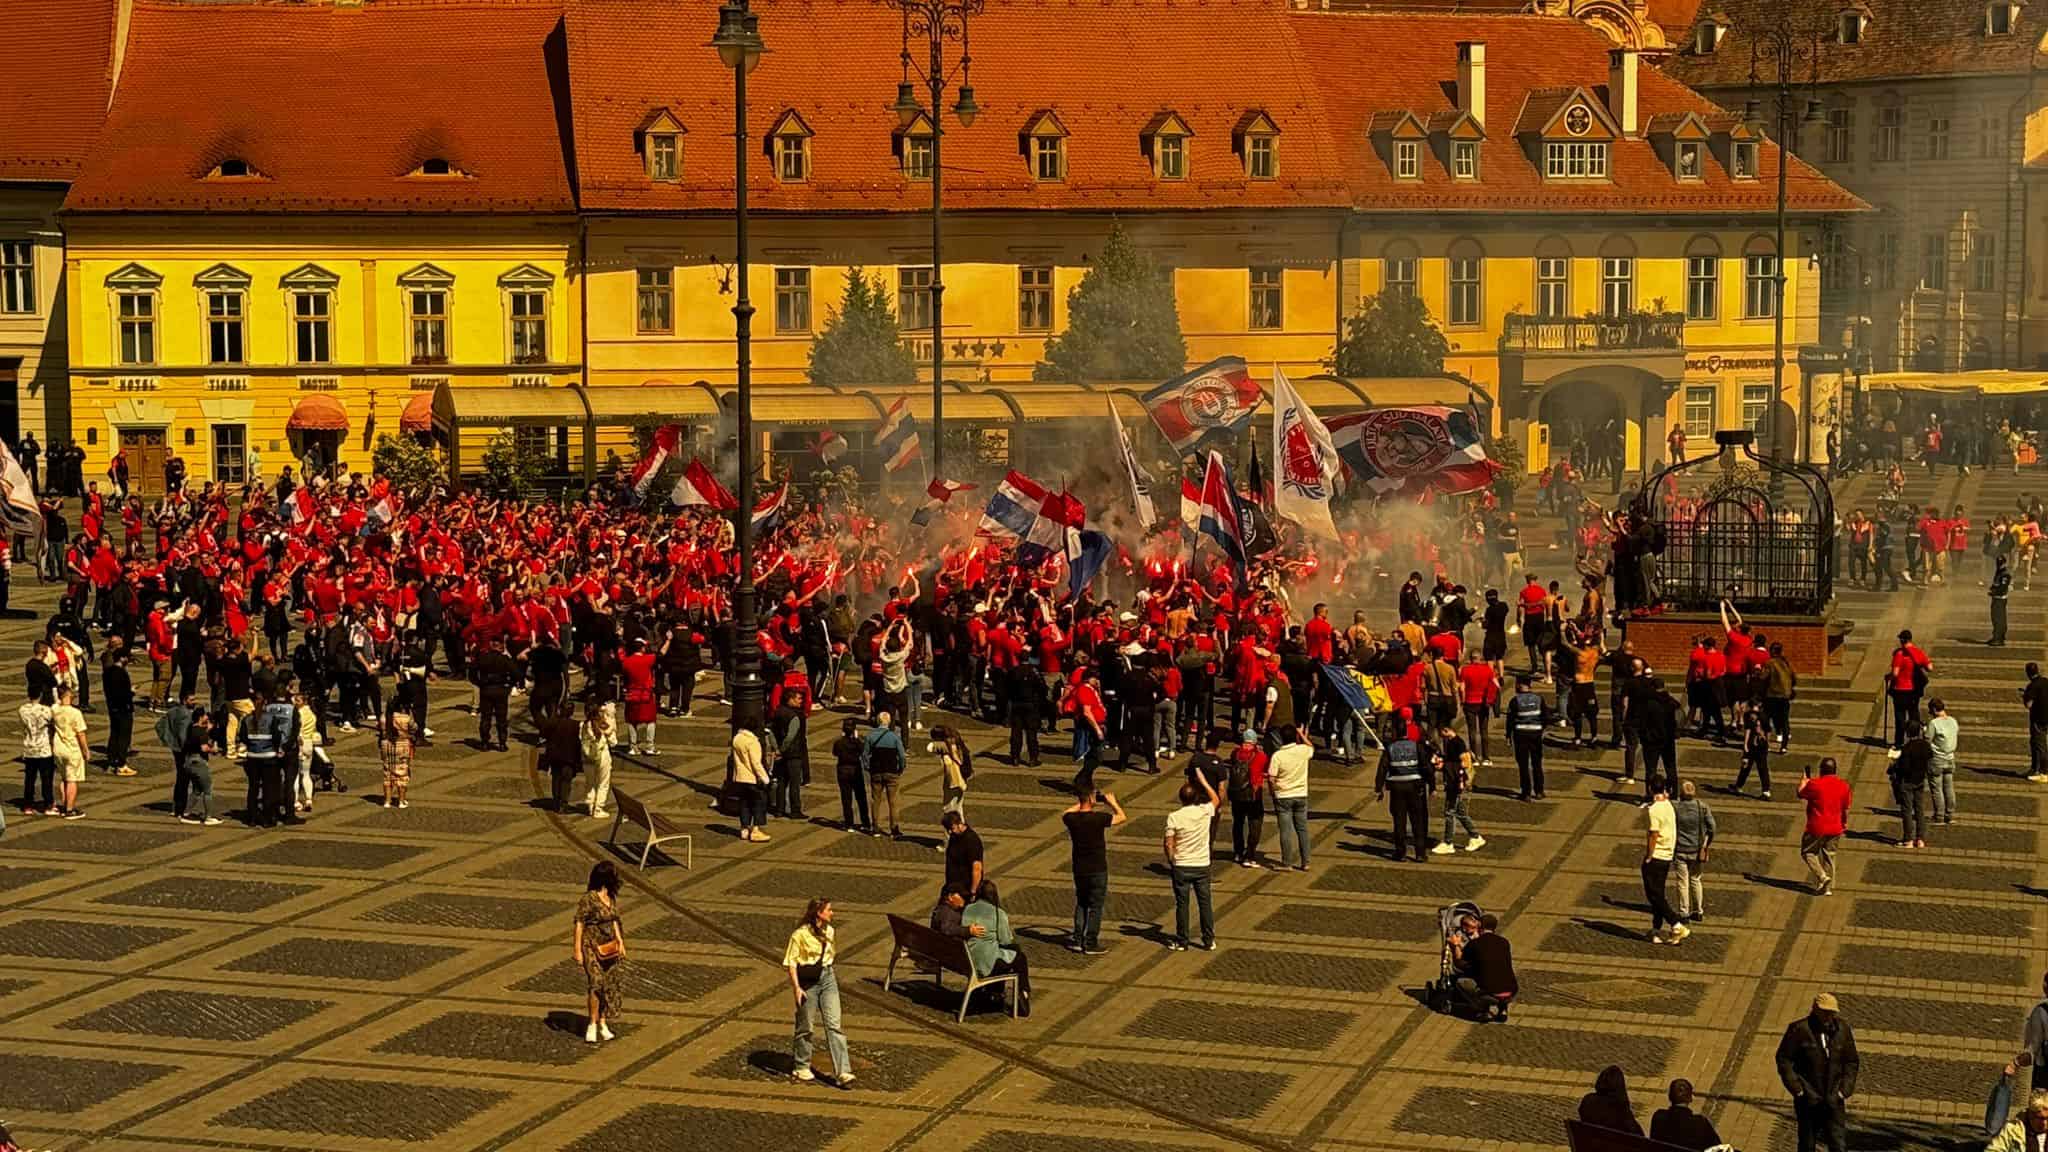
1527 715
1405 772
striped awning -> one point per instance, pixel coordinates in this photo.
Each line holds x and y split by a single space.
319 412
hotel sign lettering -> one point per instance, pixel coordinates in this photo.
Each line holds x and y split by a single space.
1713 364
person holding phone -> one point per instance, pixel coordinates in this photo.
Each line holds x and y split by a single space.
808 959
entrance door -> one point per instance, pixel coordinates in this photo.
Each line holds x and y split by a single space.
145 448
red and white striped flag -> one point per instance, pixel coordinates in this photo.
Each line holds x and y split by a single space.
666 438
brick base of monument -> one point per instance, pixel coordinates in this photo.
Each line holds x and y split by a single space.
1665 639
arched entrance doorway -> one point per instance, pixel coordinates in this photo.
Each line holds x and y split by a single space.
1588 424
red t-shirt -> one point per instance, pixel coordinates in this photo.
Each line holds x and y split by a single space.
1320 640
1480 683
1533 599
1904 658
1447 645
1827 805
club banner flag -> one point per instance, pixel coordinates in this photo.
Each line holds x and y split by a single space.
768 511
1222 514
1190 503
898 436
698 488
1360 692
938 494
1215 401
18 507
1305 464
1429 448
1088 550
302 507
1040 520
1141 484
666 438
830 446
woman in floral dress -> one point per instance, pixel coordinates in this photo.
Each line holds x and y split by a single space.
599 946
394 745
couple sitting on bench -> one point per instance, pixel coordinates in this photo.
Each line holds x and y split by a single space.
985 928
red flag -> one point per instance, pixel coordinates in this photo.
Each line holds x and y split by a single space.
698 487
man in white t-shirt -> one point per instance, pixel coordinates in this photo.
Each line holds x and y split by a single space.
1287 780
1660 844
1187 859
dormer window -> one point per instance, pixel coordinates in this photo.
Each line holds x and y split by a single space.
661 146
1045 147
1166 140
789 145
2000 17
436 168
1464 159
1706 38
1407 159
1742 159
1849 26
232 168
1689 160
1258 143
1575 160
916 148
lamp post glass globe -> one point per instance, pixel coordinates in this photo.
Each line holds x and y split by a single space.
738 39
965 108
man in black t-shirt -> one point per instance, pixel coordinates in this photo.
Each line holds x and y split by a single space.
1086 826
964 865
1454 762
2035 696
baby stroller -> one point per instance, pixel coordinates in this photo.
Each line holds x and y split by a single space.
325 779
1442 994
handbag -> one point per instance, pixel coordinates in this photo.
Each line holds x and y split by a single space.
612 949
808 975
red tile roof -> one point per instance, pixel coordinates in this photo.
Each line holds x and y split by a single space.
1108 70
53 86
1903 39
333 108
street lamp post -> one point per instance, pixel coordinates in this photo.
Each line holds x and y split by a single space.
739 45
1779 47
937 21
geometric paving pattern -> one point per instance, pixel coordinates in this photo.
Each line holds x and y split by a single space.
93 941
62 1084
192 1015
344 959
688 1128
207 894
364 1109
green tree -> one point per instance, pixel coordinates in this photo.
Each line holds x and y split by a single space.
860 343
412 467
508 472
1122 323
1392 335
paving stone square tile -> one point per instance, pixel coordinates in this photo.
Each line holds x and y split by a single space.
321 854
88 838
1457 1111
1580 990
1299 919
18 878
1919 1016
1939 917
1010 1140
540 869
424 819
1898 872
1309 971
924 818
695 1127
1728 897
851 846
1389 880
1921 1077
796 886
50 938
490 1036
1564 1049
509 787
877 1067
1042 902
44 1082
225 894
1607 938
1771 826
1967 837
385 1110
1725 862
344 959
458 911
1979 967
195 1015
1029 784
642 978
1177 1086
1297 1029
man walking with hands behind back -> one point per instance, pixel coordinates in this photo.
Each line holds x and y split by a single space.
1817 1062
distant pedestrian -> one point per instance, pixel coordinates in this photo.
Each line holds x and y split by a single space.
1781 686
1287 780
1679 1125
1527 715
1909 775
598 734
750 779
1942 734
847 753
1660 845
72 749
1188 831
394 749
1247 789
1756 753
2035 697
2001 588
1827 797
1906 683
1087 827
1695 822
809 959
1454 765
1608 1106
1817 1062
1404 774
598 946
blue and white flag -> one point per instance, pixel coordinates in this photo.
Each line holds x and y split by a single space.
898 436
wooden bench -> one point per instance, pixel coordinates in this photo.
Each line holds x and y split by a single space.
659 828
942 954
1584 1137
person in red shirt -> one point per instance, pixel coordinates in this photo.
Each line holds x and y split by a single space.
1906 683
1827 799
1935 532
1319 637
1246 788
1959 541
636 670
1248 680
1479 690
1447 644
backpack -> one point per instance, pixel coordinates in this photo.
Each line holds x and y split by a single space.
1240 785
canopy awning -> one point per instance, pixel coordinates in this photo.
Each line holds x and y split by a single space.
807 406
1325 394
1986 383
984 405
493 406
318 412
654 402
1409 391
418 415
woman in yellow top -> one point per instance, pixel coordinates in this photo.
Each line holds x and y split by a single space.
808 959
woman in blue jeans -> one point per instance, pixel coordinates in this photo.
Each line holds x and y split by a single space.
808 958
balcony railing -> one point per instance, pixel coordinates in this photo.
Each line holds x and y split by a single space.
1633 332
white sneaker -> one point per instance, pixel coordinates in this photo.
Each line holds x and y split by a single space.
759 836
427 732
803 1072
1484 763
653 751
844 1079
212 820
604 1031
1443 848
1475 844
1679 932
590 1034
598 814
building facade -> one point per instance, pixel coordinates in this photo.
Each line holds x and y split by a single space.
1926 108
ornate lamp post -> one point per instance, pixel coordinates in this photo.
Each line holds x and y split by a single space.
738 41
937 22
1777 48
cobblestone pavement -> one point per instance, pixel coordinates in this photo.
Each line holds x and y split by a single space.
384 978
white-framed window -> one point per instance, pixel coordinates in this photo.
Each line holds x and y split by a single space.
1886 142
135 311
1983 261
1841 135
17 276
1170 151
529 313
1700 403
312 328
656 301
1262 156
1266 304
224 331
1934 261
1465 288
1617 285
1407 159
1553 286
230 453
792 157
1575 160
1756 405
1998 18
1034 298
427 310
1397 274
1702 287
1759 286
793 300
919 150
1937 137
1742 155
664 156
914 298
1690 160
1464 159
1048 158
1850 27
1706 38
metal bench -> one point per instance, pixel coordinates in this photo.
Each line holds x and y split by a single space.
942 954
659 828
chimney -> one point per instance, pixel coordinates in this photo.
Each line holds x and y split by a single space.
1472 79
1621 88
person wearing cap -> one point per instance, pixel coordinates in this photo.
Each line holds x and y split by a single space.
1246 788
1817 1062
